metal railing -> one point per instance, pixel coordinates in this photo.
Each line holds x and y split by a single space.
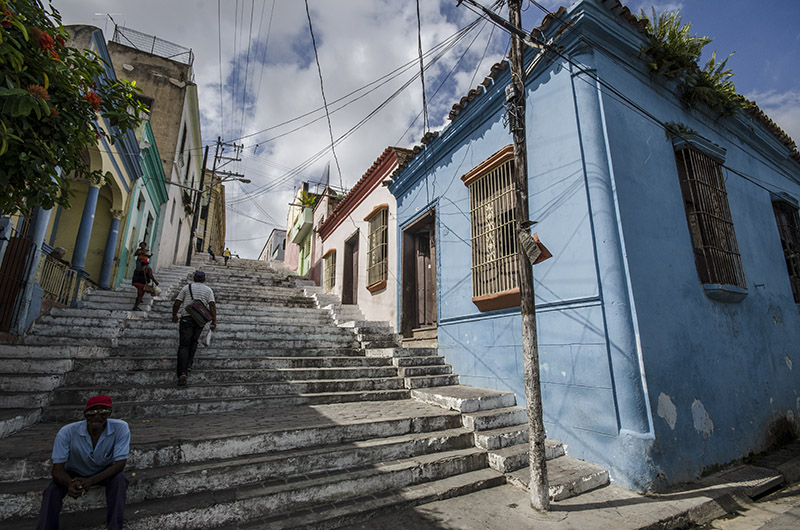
154 45
57 280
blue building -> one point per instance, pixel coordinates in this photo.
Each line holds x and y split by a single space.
668 317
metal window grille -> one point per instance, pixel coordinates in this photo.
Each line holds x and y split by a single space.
714 240
494 245
789 229
330 272
377 264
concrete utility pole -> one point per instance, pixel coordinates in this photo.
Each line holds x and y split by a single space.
515 97
196 213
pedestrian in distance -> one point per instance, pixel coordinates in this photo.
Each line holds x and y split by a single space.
189 328
142 253
142 277
89 453
226 254
211 253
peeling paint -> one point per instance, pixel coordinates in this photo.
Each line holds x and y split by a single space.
702 421
667 410
788 361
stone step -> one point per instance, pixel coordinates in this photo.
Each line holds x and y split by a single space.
399 352
246 343
26 351
151 409
515 457
284 327
29 366
466 398
202 390
24 399
165 311
13 420
30 382
360 510
426 381
205 362
494 439
75 341
566 477
219 349
494 419
425 370
271 499
69 312
22 498
432 360
165 375
170 441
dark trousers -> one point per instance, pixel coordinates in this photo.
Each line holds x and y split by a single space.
189 335
53 499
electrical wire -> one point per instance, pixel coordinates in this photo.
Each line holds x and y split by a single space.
268 187
322 90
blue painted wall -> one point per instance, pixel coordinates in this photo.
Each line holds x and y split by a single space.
641 372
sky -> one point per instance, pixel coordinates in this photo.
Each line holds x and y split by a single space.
259 84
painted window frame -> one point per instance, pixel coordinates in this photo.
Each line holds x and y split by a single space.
788 222
378 248
495 278
708 216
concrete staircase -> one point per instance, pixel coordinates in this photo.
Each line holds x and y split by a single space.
288 420
31 371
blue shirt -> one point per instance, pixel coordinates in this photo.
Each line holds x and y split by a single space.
73 447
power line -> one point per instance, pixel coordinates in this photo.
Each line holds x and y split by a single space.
219 35
322 89
448 43
425 122
247 65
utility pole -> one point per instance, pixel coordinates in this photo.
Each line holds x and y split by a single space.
515 97
196 213
215 173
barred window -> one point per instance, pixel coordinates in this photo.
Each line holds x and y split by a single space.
329 262
378 256
493 237
789 229
707 212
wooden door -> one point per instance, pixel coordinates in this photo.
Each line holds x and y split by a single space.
350 271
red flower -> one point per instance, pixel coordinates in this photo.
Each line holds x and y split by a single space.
60 41
7 18
93 99
53 112
55 56
38 91
43 38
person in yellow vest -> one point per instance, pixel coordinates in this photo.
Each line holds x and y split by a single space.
226 254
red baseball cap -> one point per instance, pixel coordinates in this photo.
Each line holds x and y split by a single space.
98 401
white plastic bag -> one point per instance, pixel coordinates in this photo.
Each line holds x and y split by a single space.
156 290
207 338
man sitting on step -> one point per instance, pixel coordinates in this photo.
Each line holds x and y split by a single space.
189 329
88 453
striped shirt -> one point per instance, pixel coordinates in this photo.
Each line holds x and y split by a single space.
200 291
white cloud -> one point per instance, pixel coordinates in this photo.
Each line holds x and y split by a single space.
358 41
782 107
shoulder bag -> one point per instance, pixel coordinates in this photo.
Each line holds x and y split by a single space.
198 310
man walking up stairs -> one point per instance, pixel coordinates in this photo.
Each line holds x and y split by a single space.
291 421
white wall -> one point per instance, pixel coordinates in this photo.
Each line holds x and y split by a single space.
381 305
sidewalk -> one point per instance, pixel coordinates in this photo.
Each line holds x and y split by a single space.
727 492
